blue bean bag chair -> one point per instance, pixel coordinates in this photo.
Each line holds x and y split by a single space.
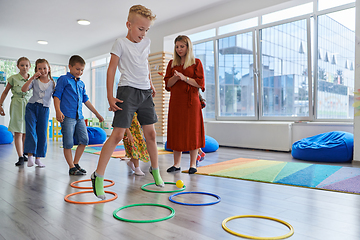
211 145
6 137
96 135
334 146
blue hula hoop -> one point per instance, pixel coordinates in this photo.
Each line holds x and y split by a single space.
195 204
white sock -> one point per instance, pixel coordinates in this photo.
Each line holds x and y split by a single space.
30 161
139 172
39 163
98 175
131 165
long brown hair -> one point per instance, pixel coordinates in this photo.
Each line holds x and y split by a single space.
42 60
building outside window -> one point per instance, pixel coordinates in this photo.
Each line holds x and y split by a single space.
236 77
205 52
335 60
282 53
284 61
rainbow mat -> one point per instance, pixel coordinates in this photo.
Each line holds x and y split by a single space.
318 176
119 151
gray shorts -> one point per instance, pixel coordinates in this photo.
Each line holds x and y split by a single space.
134 100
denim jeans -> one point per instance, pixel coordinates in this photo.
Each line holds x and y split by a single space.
36 120
74 128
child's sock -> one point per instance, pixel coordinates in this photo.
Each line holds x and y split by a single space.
97 182
39 163
139 172
156 174
202 156
131 165
30 161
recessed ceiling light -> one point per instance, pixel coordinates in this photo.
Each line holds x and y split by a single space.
42 42
83 22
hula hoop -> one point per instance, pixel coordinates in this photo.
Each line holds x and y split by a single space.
144 221
195 204
257 216
143 187
112 183
102 201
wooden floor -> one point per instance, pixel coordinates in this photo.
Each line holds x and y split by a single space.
32 203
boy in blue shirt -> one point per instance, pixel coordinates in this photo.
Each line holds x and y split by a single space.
68 96
135 93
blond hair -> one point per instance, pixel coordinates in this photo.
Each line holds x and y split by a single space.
189 57
22 59
142 11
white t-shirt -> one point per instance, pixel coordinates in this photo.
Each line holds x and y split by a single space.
43 87
133 64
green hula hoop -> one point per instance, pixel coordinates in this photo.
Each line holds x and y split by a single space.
143 187
144 221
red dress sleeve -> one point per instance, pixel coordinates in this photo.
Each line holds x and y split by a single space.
199 74
168 75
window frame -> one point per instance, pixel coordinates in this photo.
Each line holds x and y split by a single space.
312 50
309 64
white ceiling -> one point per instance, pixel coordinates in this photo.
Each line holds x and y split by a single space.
23 23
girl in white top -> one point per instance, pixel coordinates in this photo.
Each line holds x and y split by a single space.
37 112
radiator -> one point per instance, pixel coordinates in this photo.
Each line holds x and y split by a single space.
247 134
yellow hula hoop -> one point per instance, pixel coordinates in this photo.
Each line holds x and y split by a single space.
257 216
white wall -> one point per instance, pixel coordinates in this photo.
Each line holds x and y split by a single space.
198 21
268 135
308 129
357 86
16 53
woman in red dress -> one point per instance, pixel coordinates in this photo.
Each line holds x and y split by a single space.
184 76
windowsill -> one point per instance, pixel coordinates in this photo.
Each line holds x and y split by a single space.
282 122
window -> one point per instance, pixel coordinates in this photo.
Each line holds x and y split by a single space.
233 27
236 78
288 13
99 99
202 35
205 52
9 68
335 74
98 62
269 78
57 71
325 4
284 74
99 92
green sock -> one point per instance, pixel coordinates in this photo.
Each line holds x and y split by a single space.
98 186
158 180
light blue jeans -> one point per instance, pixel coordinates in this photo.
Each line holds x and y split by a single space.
74 128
